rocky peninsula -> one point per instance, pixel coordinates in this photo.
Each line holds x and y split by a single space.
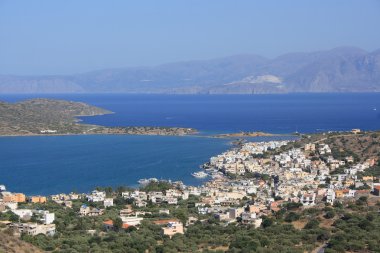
59 117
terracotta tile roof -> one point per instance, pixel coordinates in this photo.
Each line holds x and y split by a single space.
110 223
363 191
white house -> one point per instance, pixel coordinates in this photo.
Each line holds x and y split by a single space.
46 216
330 196
96 196
131 220
23 213
308 199
11 205
34 228
108 202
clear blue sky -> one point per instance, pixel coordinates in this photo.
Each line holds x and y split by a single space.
70 36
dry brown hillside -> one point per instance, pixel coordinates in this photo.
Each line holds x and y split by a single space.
12 244
362 146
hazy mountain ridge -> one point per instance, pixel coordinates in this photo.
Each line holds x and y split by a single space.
343 69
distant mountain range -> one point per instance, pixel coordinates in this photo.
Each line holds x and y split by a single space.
343 69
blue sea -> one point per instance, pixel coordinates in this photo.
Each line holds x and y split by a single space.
53 164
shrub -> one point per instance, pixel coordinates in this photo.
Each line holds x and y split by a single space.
314 223
292 216
330 214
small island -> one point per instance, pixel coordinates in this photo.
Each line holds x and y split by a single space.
244 134
59 117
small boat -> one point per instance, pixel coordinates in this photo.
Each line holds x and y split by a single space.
199 174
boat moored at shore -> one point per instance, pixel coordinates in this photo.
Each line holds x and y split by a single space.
199 174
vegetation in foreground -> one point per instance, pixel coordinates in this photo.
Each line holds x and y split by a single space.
348 227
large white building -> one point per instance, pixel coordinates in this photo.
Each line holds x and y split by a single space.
34 228
23 213
131 220
46 216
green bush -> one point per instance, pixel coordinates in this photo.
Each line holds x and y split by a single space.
292 216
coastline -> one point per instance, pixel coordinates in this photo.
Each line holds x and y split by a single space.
225 184
231 147
163 161
97 134
211 136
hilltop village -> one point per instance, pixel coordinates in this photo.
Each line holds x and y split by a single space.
307 184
